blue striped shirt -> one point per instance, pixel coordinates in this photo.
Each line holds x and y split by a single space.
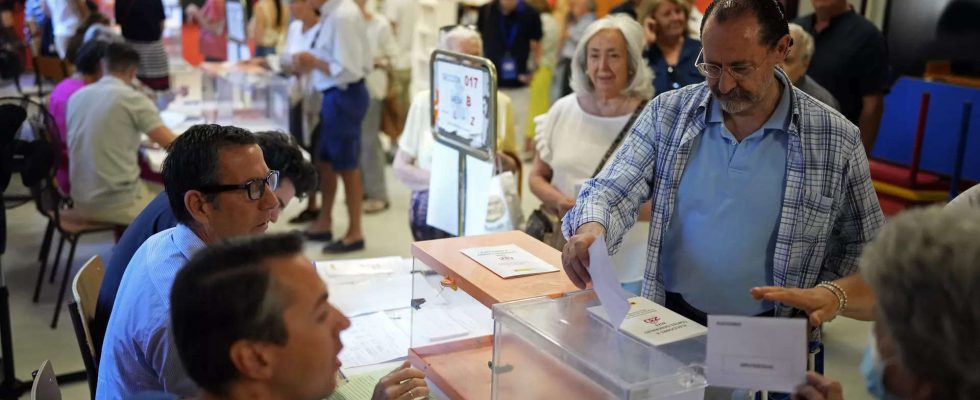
829 208
137 352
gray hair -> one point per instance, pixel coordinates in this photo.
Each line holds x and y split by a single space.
924 269
641 77
450 40
802 42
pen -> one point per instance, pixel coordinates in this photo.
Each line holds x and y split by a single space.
342 376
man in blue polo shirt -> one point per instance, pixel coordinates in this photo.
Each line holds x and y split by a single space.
759 192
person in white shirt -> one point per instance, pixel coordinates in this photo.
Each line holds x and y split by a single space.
105 121
413 161
339 59
383 50
607 96
65 15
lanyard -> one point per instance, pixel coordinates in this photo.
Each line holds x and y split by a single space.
509 40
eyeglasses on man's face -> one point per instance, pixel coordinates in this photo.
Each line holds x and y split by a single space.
714 71
255 187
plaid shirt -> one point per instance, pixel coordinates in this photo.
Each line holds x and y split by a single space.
829 209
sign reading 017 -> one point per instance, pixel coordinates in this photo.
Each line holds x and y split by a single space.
461 109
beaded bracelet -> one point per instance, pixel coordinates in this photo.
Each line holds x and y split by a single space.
838 292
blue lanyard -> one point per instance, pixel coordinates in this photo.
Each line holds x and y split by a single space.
509 40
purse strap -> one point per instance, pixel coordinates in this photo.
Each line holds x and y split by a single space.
619 139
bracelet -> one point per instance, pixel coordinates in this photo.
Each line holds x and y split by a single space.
838 292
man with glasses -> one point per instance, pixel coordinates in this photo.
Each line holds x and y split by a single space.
219 187
761 195
297 178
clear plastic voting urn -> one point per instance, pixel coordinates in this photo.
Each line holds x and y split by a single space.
538 342
452 328
553 348
247 96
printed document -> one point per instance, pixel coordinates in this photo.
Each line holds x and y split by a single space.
508 260
653 323
757 353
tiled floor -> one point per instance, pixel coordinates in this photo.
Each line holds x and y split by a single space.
386 234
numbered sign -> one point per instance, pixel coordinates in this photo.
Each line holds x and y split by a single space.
464 103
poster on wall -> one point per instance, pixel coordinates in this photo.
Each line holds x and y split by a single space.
464 103
236 21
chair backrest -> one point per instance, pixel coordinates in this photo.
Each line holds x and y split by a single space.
52 68
85 289
45 383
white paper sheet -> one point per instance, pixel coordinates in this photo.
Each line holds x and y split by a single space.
756 353
372 339
378 293
479 173
508 260
653 323
444 189
435 324
614 299
365 266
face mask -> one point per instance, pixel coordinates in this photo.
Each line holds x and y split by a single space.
873 370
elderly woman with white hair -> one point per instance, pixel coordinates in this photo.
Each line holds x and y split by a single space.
611 83
798 61
924 271
413 160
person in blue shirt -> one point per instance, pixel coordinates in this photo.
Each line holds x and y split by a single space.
281 153
218 187
671 51
762 196
252 320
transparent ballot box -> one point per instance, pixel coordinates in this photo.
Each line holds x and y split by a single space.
451 325
245 96
553 348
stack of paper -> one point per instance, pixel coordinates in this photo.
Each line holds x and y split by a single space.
509 260
372 339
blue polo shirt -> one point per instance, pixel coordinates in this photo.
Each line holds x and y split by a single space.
721 238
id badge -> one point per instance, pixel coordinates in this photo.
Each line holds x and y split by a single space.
508 68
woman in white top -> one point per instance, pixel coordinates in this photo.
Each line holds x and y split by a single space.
383 50
65 15
611 81
304 113
413 161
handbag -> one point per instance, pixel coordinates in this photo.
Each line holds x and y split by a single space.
543 224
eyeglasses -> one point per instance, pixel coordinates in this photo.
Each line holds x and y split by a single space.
254 187
714 71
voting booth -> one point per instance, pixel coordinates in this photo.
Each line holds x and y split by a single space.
478 335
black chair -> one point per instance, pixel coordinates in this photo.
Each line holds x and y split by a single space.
40 159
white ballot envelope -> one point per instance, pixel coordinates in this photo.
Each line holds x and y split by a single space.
756 353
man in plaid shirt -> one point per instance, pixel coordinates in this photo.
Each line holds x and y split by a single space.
762 198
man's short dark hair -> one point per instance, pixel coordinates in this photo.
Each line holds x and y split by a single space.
89 58
283 154
193 162
120 57
224 294
770 14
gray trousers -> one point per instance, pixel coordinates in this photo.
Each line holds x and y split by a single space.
372 157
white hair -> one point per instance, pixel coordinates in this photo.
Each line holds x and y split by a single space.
802 42
641 77
451 40
924 269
